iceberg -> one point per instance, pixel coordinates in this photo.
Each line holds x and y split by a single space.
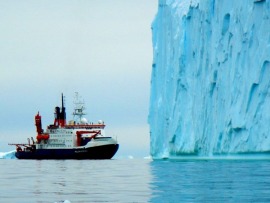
8 155
210 83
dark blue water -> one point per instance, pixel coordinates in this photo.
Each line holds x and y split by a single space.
210 181
134 180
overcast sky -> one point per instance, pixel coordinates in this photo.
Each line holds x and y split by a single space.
99 48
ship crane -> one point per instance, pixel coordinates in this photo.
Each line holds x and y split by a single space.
80 133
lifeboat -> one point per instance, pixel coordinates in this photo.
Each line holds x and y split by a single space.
42 137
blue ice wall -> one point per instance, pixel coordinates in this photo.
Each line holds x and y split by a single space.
210 86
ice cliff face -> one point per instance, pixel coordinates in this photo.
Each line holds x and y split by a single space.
210 87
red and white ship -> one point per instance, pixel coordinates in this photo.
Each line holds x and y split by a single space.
76 140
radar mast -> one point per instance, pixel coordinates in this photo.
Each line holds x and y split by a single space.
78 108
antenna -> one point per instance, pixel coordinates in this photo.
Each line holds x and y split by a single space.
63 113
62 101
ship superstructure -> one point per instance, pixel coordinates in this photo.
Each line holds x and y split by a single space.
76 140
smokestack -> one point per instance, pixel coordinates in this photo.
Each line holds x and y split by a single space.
63 113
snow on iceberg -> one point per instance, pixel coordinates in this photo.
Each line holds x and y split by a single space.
64 201
7 155
210 86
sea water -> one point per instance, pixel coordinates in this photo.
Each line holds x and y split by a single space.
134 180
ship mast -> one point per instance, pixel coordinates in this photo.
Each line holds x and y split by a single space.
63 113
78 108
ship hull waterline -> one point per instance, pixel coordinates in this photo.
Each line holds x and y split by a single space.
98 152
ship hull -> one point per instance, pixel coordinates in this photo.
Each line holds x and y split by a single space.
98 152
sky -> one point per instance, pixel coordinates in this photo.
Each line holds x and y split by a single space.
99 48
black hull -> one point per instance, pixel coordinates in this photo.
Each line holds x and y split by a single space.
99 152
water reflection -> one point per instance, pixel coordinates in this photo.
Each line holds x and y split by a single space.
135 181
210 181
94 180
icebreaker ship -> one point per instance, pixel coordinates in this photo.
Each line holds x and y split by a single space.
210 85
